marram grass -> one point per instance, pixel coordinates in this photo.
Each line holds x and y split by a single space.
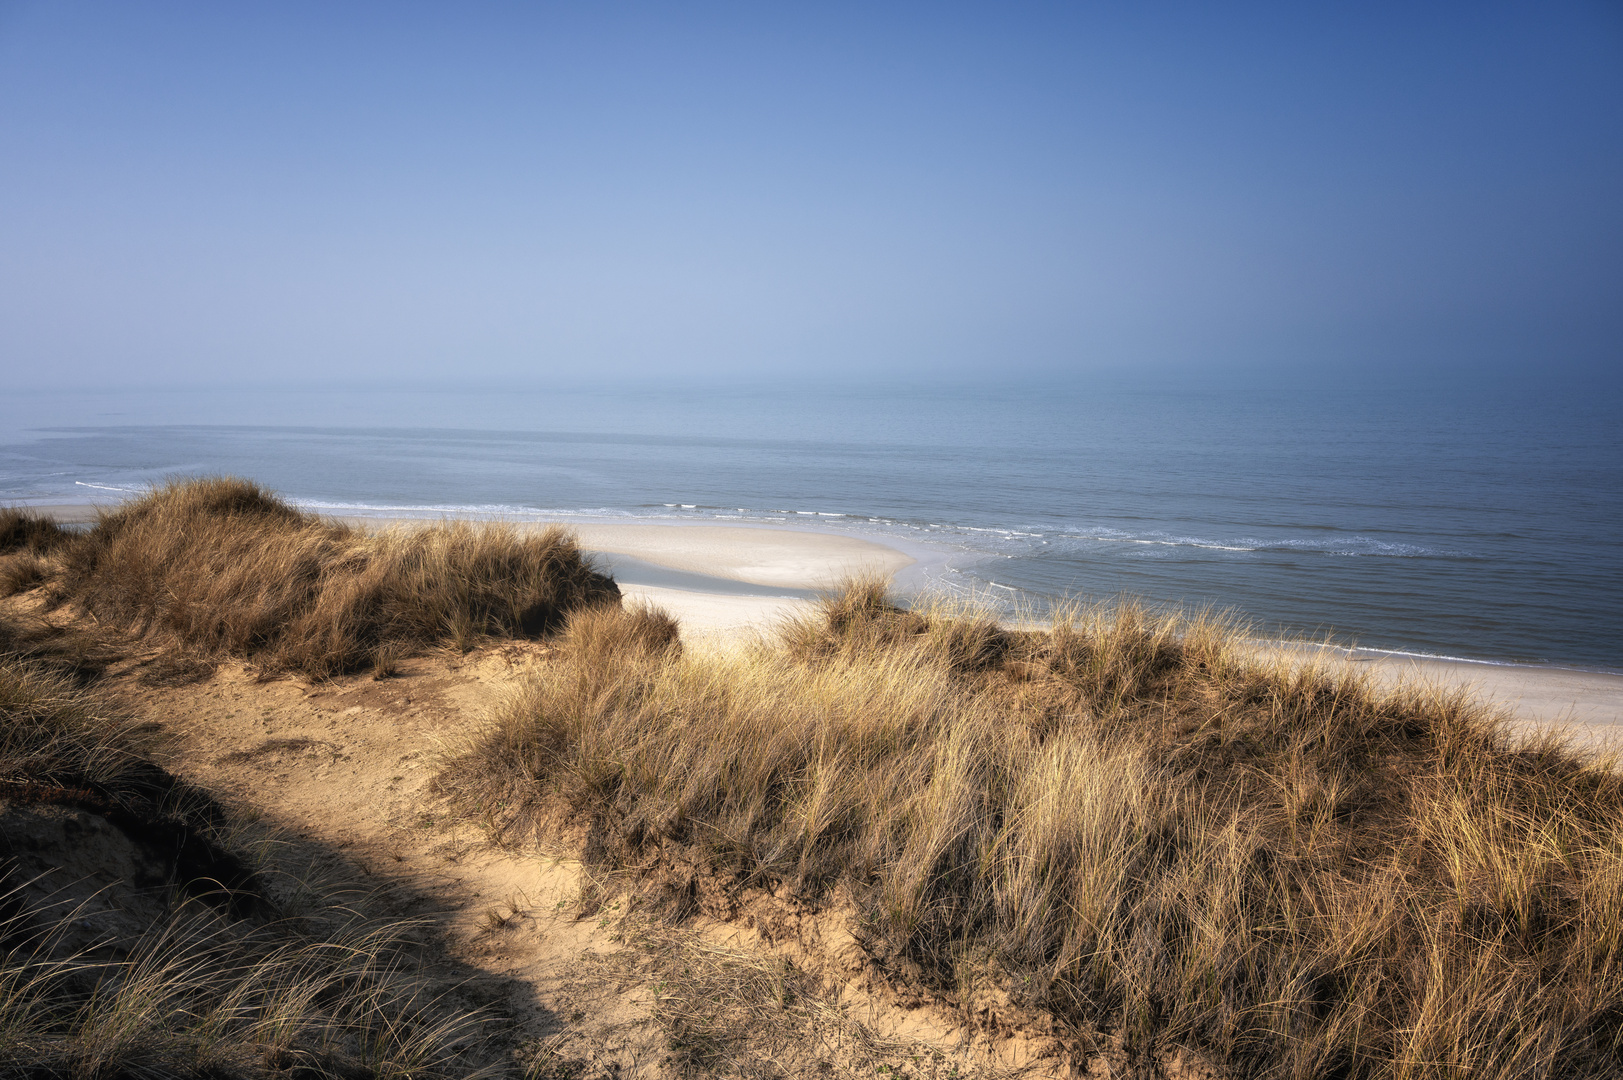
222 566
1128 820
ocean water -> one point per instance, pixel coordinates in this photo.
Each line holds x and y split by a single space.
1478 521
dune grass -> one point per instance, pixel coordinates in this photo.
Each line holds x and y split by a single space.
218 983
27 531
53 733
198 997
1131 821
222 566
26 539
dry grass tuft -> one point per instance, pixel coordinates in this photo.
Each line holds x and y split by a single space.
858 617
23 530
1129 821
52 734
76 653
221 565
595 634
21 572
198 996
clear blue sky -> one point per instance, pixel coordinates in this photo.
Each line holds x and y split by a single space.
494 193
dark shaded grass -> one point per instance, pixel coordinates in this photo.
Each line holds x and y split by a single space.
1136 823
222 566
21 572
24 530
25 537
78 654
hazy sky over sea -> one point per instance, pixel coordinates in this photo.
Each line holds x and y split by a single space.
398 193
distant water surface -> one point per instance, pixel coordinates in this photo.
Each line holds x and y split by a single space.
1483 522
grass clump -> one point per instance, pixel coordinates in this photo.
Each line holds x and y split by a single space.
221 565
199 997
24 530
1130 821
595 635
21 572
25 539
52 733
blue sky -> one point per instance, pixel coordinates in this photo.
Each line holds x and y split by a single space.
522 194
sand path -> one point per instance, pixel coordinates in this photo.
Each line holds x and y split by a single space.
343 771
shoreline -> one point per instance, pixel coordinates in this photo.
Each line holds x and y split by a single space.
727 581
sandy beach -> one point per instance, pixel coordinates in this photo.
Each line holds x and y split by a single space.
783 566
1588 705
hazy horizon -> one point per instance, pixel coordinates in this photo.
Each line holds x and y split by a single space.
408 195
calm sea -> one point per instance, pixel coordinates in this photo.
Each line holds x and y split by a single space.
1476 521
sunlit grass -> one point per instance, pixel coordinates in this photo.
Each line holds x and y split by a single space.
1130 820
221 565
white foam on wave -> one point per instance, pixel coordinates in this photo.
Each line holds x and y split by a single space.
973 540
505 510
1354 546
1209 545
995 532
1415 654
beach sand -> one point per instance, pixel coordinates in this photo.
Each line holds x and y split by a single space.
1587 705
781 567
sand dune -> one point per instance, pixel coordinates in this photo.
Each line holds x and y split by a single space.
1588 704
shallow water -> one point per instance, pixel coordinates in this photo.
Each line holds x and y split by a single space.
1481 521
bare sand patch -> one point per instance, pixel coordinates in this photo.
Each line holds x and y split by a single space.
786 558
713 616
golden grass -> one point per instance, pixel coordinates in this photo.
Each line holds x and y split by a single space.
25 537
51 732
1128 820
21 572
220 565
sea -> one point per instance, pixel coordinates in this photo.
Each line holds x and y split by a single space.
1462 518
